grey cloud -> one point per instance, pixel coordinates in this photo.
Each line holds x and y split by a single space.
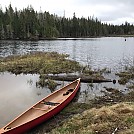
109 2
121 8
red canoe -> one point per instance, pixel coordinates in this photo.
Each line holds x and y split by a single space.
43 110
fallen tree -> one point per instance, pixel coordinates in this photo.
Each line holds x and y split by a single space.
85 79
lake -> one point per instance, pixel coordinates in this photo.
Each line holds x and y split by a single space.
19 92
98 52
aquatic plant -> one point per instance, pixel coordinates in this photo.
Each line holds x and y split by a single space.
39 62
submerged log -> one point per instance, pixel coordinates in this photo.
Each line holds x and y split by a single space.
84 79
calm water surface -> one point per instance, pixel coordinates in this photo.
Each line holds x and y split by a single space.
19 92
16 94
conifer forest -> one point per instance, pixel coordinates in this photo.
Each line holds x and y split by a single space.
30 24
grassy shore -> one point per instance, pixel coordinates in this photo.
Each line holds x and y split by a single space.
112 113
118 118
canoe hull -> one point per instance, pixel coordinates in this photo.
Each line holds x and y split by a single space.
31 124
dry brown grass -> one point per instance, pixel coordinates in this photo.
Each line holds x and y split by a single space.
117 118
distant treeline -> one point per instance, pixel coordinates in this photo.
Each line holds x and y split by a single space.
30 24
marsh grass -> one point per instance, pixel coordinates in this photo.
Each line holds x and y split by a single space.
51 84
127 73
39 62
125 77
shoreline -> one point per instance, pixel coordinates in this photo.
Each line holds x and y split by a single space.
67 38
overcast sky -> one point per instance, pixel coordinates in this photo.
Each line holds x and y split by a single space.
110 11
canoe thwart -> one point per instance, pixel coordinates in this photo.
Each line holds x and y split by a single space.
50 103
6 128
71 90
43 109
68 91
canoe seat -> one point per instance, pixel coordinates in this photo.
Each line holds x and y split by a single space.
43 109
68 91
50 103
71 90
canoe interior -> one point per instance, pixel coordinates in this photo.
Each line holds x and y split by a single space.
44 106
